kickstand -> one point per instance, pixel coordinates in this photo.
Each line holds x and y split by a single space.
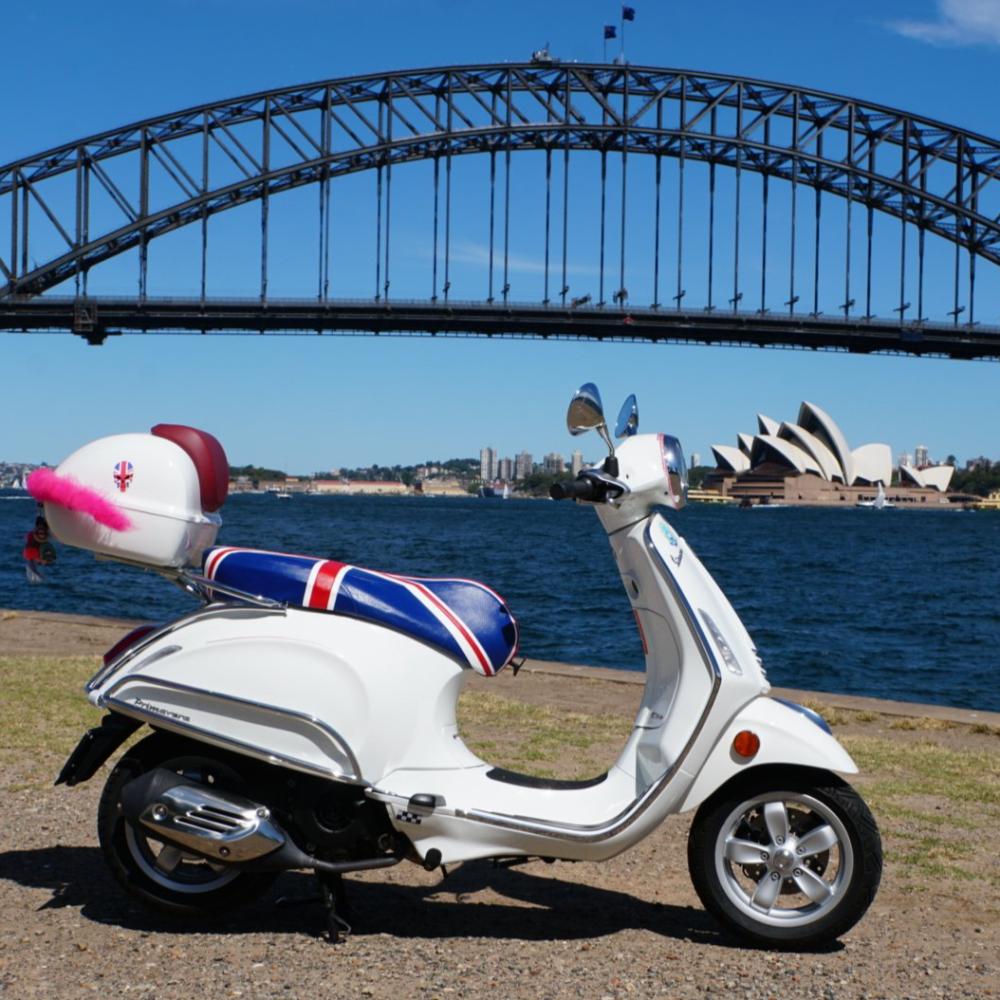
334 899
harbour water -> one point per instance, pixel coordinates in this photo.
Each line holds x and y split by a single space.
892 604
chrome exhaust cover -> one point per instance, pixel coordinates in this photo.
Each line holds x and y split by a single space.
213 823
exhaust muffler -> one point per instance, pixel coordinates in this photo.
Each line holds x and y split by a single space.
222 826
216 824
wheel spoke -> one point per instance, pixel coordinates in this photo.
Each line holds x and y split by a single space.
821 839
744 852
776 818
766 892
812 885
169 858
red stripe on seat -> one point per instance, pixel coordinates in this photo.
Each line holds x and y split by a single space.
214 559
322 587
458 623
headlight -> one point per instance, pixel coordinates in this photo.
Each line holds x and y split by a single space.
675 469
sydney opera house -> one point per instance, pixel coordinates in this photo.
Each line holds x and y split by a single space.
809 461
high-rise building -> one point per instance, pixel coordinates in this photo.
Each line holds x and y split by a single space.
576 464
488 464
523 466
920 456
506 469
554 464
695 459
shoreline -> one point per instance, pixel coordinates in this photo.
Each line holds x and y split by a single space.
24 633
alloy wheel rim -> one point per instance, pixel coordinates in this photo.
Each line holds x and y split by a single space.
784 858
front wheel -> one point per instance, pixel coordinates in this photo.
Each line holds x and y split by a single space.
788 857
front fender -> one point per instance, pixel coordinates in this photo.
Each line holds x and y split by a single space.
788 735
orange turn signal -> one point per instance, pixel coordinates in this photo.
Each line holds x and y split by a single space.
746 744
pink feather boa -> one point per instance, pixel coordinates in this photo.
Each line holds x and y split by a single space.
47 486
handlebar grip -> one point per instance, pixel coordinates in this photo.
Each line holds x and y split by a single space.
575 489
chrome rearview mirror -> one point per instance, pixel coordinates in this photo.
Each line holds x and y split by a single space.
586 413
585 410
676 471
628 418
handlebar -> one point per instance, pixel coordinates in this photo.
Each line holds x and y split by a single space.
577 489
587 486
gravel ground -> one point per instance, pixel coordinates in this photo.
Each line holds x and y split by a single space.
630 927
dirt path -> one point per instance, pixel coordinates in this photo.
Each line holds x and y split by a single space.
629 927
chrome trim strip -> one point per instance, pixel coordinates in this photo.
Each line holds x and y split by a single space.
206 611
593 833
204 586
108 699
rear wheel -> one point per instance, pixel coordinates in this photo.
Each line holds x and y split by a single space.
788 857
161 875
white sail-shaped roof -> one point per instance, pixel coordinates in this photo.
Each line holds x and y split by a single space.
938 476
770 447
766 425
826 460
745 442
821 424
935 477
872 464
730 459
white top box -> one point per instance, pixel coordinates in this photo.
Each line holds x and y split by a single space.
157 484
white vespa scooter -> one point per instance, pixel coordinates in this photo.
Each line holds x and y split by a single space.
304 717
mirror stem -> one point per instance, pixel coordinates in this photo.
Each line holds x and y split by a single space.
602 429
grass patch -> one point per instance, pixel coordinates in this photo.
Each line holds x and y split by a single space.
43 714
985 730
833 716
937 807
535 738
911 724
42 704
969 777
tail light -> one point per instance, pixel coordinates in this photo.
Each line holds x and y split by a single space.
126 642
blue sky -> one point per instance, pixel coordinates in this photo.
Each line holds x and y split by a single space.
310 403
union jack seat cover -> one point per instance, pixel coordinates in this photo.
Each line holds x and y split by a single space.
463 618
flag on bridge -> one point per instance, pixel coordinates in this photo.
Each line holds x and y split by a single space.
610 31
628 13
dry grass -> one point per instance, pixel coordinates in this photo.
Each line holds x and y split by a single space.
922 724
535 738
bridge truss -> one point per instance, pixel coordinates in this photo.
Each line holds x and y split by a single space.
726 262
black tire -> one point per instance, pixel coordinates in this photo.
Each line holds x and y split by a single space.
792 883
163 877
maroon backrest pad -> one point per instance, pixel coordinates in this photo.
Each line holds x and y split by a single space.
208 457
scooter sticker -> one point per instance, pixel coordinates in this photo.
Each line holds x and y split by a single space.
123 476
673 541
409 817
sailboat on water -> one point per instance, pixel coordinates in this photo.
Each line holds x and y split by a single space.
879 503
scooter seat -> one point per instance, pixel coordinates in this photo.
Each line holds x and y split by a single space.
464 619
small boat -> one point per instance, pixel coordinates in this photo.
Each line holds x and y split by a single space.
283 495
879 503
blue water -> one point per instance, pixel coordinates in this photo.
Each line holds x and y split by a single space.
893 604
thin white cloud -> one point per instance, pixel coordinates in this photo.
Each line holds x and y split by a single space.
477 253
959 22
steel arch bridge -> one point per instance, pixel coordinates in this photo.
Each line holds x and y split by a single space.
752 164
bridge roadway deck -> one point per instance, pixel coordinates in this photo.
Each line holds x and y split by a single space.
97 318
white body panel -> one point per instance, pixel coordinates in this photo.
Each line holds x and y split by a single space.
357 702
786 737
158 490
